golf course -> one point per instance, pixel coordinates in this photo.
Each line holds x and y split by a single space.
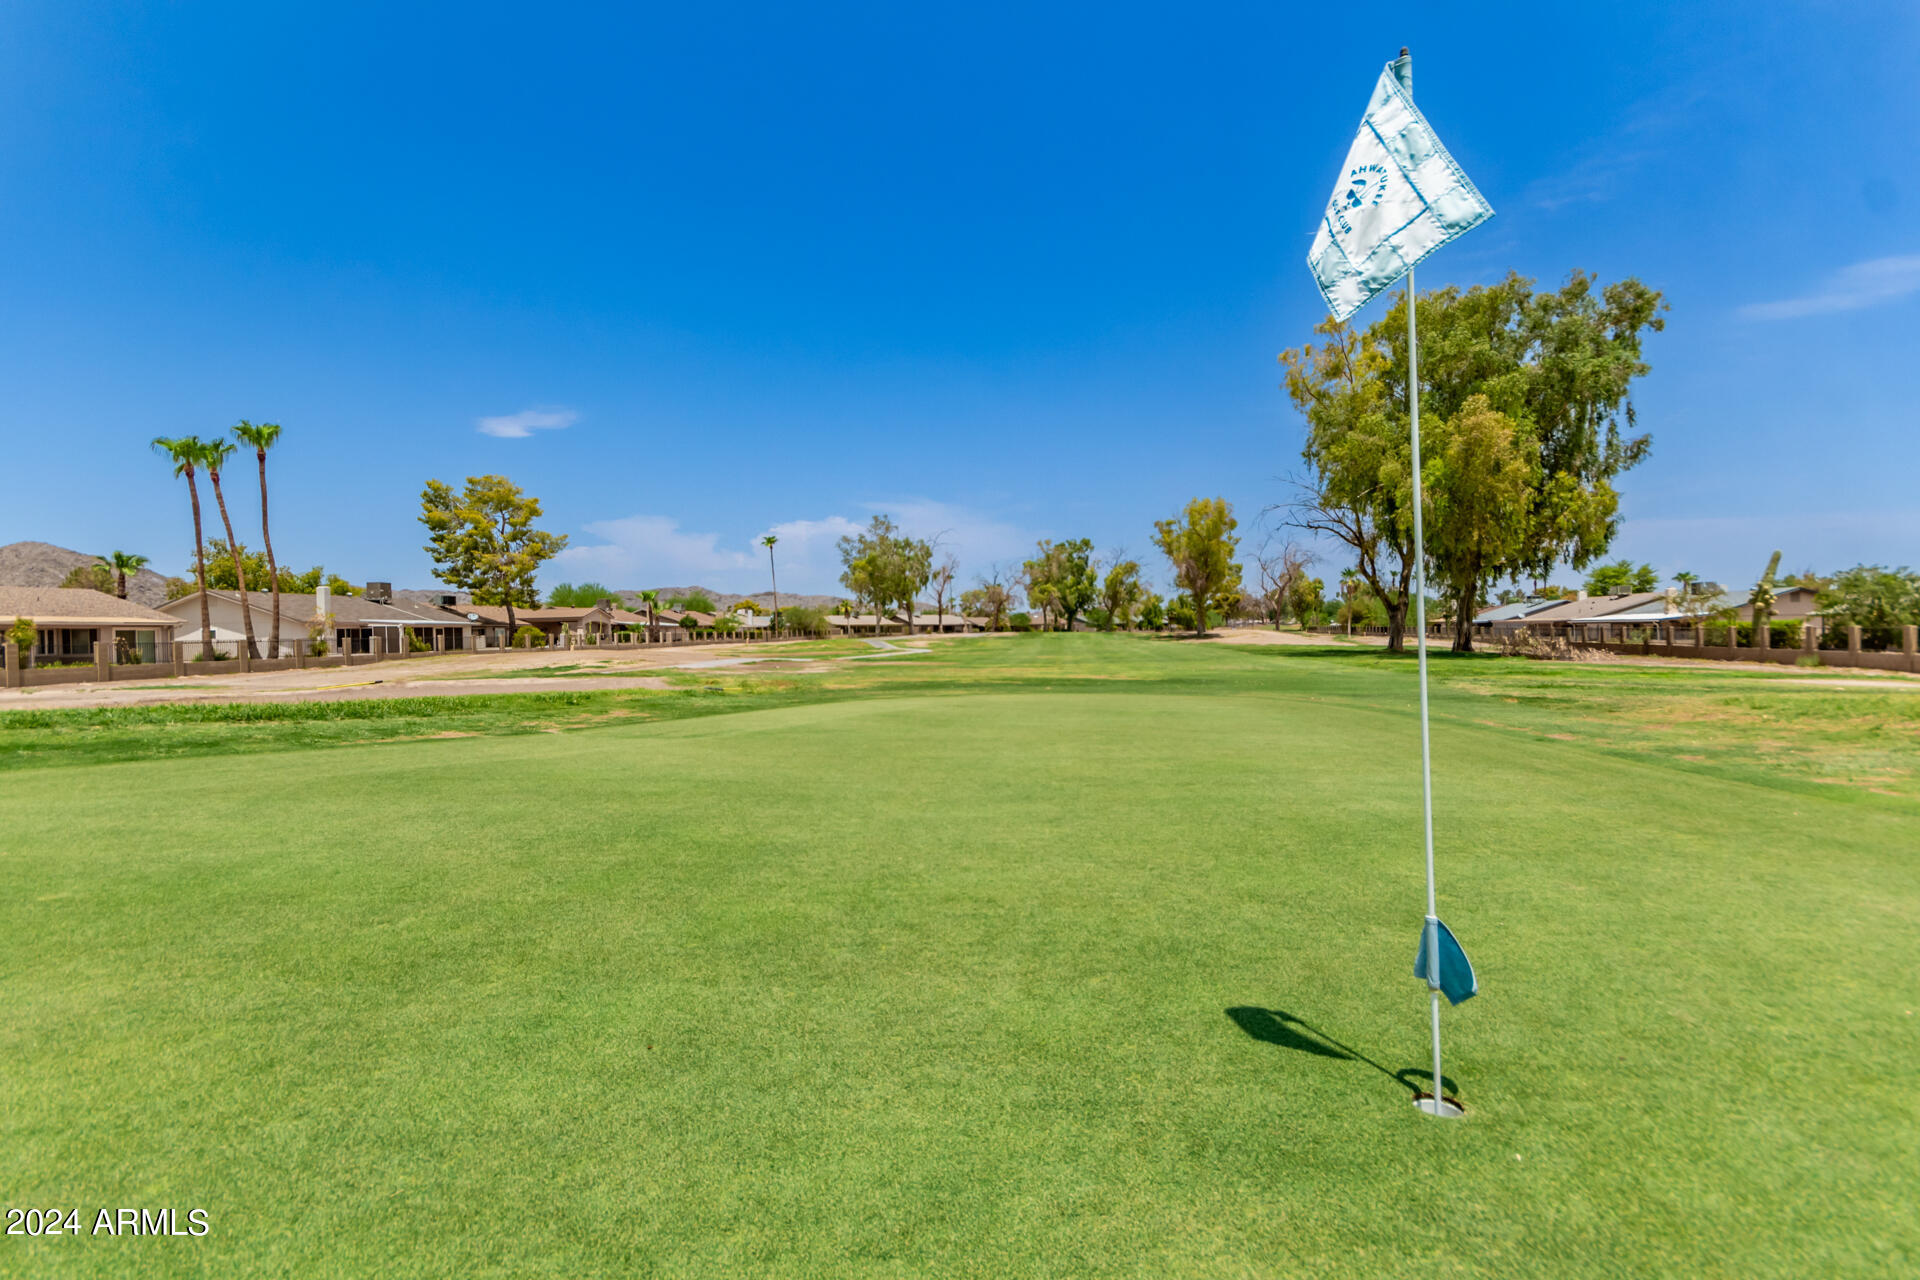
1040 955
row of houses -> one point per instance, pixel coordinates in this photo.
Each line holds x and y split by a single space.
69 622
1616 617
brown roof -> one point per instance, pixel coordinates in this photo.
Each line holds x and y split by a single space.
347 611
76 607
497 613
1595 608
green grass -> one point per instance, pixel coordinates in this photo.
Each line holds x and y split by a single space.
928 970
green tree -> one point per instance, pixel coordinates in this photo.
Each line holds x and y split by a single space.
1200 544
804 620
1621 577
186 452
1558 366
883 567
89 577
262 437
1153 611
214 455
1878 600
1120 592
1478 476
990 598
483 540
1062 577
692 602
651 599
1305 599
566 595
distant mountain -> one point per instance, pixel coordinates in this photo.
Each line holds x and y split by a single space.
41 564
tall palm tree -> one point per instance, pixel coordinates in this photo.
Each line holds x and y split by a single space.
768 542
123 563
187 453
263 437
652 599
215 454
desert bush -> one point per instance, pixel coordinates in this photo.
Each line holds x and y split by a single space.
529 637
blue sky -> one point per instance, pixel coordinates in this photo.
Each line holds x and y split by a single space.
689 273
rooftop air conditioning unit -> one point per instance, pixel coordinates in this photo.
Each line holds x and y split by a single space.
379 593
446 601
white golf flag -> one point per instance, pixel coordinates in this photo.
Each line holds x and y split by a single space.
1400 196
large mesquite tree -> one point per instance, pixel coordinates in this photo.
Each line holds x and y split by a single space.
1526 419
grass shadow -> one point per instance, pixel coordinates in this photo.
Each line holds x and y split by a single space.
1288 1031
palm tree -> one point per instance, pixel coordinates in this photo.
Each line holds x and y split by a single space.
768 542
187 453
123 563
1349 583
215 454
263 437
652 599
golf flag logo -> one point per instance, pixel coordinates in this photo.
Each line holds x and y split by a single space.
1399 197
1456 980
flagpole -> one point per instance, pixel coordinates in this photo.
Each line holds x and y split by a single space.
1438 1106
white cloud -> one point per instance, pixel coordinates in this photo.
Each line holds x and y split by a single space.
1864 284
654 551
518 426
974 538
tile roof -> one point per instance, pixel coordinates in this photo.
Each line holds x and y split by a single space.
75 606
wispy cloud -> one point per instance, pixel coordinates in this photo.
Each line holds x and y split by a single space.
1864 284
1599 170
517 426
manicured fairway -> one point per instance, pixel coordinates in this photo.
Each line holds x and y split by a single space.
1042 957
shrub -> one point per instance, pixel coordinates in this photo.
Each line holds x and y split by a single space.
1781 634
529 637
1878 600
805 621
23 633
1020 621
417 643
316 646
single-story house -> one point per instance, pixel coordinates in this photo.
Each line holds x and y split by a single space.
355 622
596 621
1614 617
69 621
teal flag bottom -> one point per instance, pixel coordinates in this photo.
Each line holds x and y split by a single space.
1457 982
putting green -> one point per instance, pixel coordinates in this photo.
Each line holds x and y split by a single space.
1013 983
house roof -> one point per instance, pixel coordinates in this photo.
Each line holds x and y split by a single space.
77 607
1518 609
347 611
1598 608
496 614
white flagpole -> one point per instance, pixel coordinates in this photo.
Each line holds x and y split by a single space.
1438 1105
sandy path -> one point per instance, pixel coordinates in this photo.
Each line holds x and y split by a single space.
430 677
